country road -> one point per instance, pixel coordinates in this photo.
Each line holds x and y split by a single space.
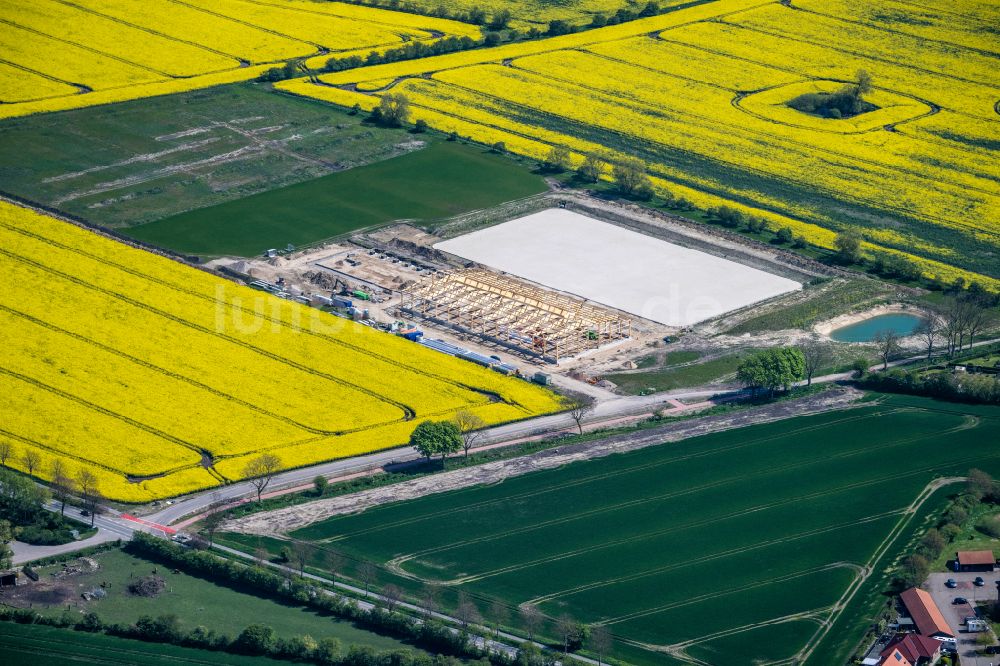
608 409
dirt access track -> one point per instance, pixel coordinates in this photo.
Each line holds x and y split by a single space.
281 521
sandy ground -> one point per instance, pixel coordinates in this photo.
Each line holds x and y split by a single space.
281 521
617 267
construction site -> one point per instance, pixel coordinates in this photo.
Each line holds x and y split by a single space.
477 288
513 313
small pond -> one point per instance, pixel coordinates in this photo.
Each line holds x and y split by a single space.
901 323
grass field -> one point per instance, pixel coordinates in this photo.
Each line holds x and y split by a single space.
144 160
197 602
34 645
696 547
163 379
699 95
441 180
668 377
67 55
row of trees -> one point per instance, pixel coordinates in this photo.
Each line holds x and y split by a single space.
385 616
22 501
979 488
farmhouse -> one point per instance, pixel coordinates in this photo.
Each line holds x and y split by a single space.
911 650
975 560
925 613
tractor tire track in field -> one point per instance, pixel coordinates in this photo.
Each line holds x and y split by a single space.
869 568
272 320
281 521
395 564
169 373
407 411
586 587
604 477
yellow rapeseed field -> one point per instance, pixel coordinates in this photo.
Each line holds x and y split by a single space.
700 96
59 55
164 379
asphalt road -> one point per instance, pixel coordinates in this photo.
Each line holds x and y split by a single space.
607 406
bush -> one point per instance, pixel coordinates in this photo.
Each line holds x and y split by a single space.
990 526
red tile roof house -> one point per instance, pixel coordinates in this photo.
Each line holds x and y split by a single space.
911 650
975 560
925 613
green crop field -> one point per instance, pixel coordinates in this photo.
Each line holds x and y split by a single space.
443 179
730 548
33 645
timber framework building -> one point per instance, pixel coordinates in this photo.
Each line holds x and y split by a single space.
513 313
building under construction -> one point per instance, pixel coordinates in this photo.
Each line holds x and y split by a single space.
513 313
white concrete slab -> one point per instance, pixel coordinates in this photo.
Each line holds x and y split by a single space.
623 269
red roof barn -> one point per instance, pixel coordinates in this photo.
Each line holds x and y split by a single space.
925 613
975 560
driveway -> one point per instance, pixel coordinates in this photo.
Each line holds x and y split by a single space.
944 596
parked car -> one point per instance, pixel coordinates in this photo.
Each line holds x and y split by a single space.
951 583
993 649
979 582
960 600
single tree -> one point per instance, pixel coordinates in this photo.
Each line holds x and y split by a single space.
814 355
6 452
333 563
430 599
579 410
391 596
213 520
772 369
914 570
600 641
471 426
366 574
432 438
979 484
260 471
863 82
848 246
86 482
302 554
592 169
558 159
393 110
6 536
532 619
568 631
498 615
31 459
466 612
62 484
500 20
320 484
928 330
887 344
630 176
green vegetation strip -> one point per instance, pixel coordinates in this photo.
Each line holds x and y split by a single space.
195 602
35 645
444 179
